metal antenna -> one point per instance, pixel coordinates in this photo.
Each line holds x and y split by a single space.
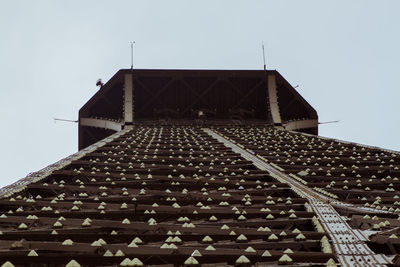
326 122
265 66
132 44
55 119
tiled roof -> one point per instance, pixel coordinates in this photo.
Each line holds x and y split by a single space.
163 196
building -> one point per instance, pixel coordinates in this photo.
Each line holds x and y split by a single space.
204 168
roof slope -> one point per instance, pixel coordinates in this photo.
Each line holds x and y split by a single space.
160 196
164 195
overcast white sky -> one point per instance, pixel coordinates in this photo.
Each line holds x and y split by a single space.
344 55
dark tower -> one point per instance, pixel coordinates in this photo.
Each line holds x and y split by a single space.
204 168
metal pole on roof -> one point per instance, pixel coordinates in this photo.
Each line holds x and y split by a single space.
326 122
132 43
56 119
265 66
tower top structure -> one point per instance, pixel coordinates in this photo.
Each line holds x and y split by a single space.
181 95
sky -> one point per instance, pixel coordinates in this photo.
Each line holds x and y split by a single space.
344 55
